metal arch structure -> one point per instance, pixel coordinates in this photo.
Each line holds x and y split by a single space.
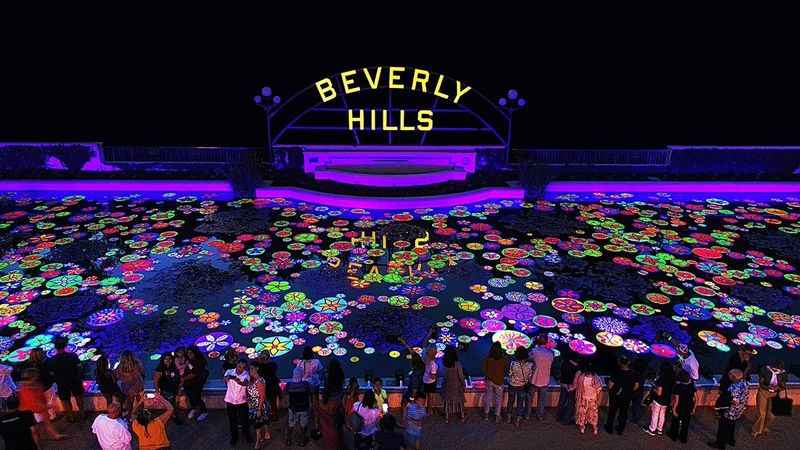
303 120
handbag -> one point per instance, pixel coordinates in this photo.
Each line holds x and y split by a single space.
355 422
782 406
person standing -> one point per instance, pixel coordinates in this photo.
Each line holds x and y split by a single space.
38 360
689 362
66 369
194 379
258 406
430 377
542 358
17 427
32 398
414 416
771 380
620 390
453 384
167 381
106 381
587 387
130 374
331 416
520 372
494 369
742 360
236 401
732 409
299 393
684 404
268 370
370 414
111 430
7 386
660 396
414 376
566 396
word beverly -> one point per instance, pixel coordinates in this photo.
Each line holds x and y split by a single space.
392 77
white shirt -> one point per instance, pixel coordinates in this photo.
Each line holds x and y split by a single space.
236 393
112 434
690 365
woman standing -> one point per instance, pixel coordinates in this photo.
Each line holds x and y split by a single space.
684 403
494 369
194 379
32 398
430 376
370 415
351 397
258 406
167 381
106 381
520 372
330 415
587 387
453 384
130 374
38 360
771 380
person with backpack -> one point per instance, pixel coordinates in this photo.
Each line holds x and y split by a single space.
520 372
364 421
298 392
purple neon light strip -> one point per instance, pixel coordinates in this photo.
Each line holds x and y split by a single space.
378 180
79 186
395 203
706 187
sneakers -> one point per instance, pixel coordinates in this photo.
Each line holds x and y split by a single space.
649 431
202 417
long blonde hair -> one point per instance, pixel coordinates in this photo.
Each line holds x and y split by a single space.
128 363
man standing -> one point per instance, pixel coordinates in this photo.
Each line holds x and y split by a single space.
236 401
620 390
566 397
542 358
736 401
66 369
111 430
17 427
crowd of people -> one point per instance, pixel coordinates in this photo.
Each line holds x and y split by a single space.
320 405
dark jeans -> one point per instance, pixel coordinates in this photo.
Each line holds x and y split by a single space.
238 415
637 409
617 408
679 429
726 432
195 396
566 406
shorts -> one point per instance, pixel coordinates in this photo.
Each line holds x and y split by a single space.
413 441
430 388
298 418
66 392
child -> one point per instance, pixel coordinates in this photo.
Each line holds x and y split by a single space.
7 386
299 393
386 438
31 398
415 413
380 395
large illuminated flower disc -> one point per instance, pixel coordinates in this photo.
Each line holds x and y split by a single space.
510 340
275 345
216 341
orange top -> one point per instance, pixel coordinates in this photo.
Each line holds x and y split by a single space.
154 438
31 398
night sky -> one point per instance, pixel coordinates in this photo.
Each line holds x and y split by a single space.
173 79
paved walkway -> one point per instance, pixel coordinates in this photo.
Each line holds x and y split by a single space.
476 434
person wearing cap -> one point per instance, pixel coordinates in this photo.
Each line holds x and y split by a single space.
731 410
689 362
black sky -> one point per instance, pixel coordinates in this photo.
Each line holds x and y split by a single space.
152 78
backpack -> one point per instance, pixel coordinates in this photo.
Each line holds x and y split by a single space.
355 422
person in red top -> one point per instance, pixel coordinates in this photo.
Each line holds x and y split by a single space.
32 398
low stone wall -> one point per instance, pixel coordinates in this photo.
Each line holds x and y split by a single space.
215 393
